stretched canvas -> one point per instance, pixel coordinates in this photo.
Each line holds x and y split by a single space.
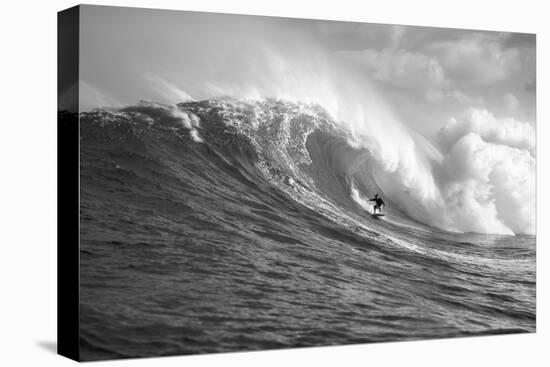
236 183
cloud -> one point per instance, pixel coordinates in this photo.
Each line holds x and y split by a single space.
490 173
465 99
482 180
511 103
353 36
400 68
396 35
503 131
490 187
442 69
414 73
453 95
476 58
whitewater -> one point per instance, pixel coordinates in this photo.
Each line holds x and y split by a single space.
231 224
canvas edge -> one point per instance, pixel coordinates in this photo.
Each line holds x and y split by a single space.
68 206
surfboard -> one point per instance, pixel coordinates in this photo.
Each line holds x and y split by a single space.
377 215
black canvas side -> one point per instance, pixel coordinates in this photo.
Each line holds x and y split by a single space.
68 183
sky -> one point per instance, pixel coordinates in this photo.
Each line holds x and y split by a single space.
448 114
428 75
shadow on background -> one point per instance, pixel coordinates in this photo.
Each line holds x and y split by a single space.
50 346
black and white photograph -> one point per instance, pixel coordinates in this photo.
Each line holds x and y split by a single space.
252 182
275 183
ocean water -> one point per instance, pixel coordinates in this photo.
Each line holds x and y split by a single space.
225 225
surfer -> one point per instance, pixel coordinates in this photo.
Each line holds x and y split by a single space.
378 204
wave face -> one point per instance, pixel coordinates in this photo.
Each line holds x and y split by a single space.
227 225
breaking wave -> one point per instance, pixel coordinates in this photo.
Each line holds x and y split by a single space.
481 179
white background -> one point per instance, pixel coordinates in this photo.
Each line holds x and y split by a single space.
28 183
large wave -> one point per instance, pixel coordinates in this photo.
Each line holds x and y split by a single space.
478 184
